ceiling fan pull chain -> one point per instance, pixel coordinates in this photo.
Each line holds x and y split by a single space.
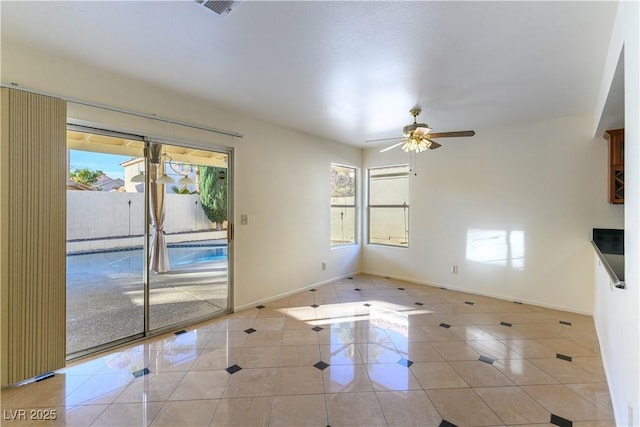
413 163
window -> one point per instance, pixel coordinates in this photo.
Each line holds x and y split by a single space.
343 205
389 205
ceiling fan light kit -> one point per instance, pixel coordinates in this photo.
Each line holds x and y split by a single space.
415 144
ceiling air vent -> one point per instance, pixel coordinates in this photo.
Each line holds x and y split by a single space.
219 7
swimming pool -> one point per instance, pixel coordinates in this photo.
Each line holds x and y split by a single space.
131 260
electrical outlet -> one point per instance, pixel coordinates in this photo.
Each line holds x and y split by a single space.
454 269
244 219
324 265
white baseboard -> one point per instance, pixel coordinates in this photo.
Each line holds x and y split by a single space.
417 281
295 291
486 294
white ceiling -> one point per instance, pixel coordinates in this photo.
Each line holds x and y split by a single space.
346 71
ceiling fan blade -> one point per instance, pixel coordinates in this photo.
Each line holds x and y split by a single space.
452 134
381 140
433 145
393 146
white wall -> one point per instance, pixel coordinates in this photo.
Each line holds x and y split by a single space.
513 208
100 214
282 177
95 218
616 316
287 184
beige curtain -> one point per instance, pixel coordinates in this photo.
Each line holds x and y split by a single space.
33 170
158 251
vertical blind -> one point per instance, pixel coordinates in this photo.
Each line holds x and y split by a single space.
32 249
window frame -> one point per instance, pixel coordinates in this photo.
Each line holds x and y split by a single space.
405 205
354 206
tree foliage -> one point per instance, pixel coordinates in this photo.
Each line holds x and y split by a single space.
183 190
343 181
213 193
85 175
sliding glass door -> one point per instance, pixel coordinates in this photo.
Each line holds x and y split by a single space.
105 241
147 247
188 257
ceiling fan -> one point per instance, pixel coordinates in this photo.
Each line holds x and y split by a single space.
418 137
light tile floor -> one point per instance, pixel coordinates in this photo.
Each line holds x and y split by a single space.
366 351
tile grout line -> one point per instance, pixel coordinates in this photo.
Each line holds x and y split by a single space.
324 385
488 406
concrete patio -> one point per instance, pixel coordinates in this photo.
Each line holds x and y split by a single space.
105 294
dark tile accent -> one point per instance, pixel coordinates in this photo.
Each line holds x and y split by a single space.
507 324
250 330
367 305
446 423
486 359
444 325
180 332
401 289
233 369
260 307
315 305
405 362
559 421
469 303
141 372
312 290
564 357
45 376
321 365
317 328
357 289
419 303
562 322
517 302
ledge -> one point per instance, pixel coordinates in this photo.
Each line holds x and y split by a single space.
613 276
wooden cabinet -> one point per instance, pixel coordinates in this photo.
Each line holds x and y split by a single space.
616 165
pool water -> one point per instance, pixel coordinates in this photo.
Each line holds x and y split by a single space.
187 255
124 261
